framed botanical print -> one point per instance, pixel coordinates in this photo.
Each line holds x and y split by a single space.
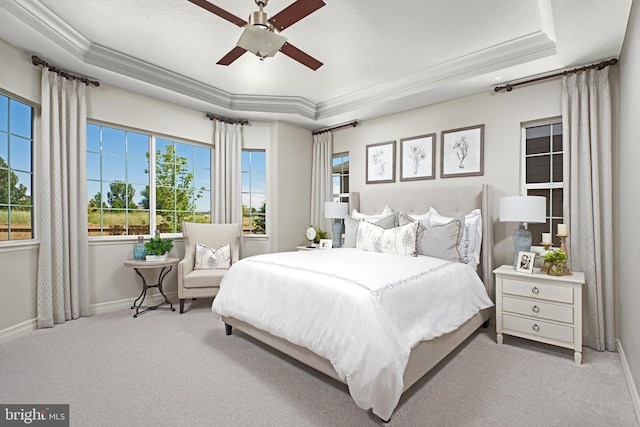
418 157
462 152
381 162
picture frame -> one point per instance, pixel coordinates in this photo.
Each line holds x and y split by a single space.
525 261
462 152
325 244
381 163
418 157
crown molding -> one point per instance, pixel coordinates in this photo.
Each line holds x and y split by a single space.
39 17
513 52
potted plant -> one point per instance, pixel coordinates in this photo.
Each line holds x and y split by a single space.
157 248
320 234
554 260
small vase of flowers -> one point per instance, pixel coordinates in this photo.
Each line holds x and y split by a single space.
555 260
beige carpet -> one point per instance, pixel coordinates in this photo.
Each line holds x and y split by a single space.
166 369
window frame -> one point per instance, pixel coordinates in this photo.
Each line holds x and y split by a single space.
35 116
242 171
153 136
340 197
550 185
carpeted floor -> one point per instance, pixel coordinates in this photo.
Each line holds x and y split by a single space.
166 369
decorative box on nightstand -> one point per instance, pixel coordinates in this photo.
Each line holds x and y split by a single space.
540 307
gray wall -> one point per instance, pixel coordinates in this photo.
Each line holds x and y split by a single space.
628 195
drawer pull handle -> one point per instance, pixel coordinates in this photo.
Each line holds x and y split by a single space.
535 290
535 309
535 327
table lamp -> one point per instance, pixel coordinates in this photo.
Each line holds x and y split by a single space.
522 209
336 210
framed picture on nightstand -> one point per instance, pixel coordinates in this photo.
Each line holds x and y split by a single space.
326 244
525 262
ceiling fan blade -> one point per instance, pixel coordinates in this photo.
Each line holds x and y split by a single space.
220 12
294 53
233 54
294 12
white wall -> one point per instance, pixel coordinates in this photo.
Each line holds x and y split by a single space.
628 195
502 114
112 284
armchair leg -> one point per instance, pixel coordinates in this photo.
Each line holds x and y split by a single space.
227 329
181 305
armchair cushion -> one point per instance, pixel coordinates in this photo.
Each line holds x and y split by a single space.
208 258
204 278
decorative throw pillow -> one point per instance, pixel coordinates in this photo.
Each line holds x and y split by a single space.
471 234
351 228
397 241
208 258
439 241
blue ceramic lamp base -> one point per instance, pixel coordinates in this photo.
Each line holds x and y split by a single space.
336 232
521 242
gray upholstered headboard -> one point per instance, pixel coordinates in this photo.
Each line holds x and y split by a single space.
447 201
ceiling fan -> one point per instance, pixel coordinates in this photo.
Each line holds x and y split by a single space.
260 35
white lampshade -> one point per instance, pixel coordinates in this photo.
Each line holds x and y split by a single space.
523 209
260 42
336 209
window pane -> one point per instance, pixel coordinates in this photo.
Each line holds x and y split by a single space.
4 147
93 138
538 139
137 146
20 120
556 203
4 114
20 153
21 223
113 168
557 168
113 141
203 158
136 171
538 169
557 137
4 186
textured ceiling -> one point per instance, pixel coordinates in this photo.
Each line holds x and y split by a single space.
379 57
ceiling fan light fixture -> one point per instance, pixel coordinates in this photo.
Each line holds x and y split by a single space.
260 42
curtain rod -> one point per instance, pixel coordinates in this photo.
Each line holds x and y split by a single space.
37 61
600 65
346 125
212 116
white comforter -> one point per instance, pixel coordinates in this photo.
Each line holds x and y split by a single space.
363 311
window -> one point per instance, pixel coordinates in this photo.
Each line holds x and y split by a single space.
340 176
121 199
16 170
543 174
254 192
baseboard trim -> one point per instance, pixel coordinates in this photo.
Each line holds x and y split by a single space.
106 307
18 330
633 390
27 326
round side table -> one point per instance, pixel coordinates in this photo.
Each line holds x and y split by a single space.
165 267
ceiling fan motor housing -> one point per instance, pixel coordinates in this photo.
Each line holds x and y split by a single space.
259 18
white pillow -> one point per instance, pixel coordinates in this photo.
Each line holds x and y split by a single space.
471 239
425 218
396 241
208 258
373 217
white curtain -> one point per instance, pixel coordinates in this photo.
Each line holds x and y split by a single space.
586 117
321 181
227 172
63 264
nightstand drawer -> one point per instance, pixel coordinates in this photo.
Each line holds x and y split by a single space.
538 290
539 309
537 328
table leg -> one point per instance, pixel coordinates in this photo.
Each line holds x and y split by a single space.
163 273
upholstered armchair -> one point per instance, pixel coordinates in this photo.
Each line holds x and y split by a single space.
204 283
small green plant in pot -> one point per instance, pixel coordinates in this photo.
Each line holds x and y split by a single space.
320 234
554 260
157 248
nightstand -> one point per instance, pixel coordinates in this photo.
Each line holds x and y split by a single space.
307 248
540 307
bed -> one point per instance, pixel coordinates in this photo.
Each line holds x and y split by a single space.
361 325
